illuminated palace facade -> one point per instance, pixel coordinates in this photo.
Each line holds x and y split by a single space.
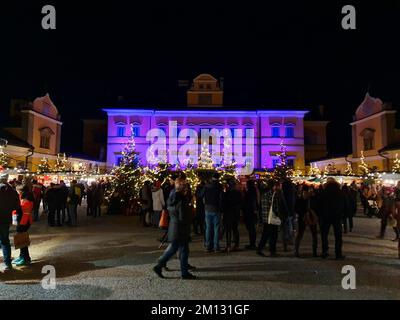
205 111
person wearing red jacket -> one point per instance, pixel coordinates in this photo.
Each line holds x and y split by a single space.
9 202
26 220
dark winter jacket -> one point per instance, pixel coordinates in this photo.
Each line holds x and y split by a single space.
232 205
180 217
333 203
9 201
213 197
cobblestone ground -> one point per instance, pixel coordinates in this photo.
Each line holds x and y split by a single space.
111 258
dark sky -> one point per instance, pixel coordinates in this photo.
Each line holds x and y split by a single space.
272 54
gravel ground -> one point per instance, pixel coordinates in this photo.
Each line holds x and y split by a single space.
111 258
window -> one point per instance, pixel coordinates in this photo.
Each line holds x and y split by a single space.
45 136
120 131
118 160
368 138
45 142
135 131
275 132
290 163
275 162
289 132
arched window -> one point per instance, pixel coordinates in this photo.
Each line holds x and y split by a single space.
368 138
45 137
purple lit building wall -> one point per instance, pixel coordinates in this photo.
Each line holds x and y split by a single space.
270 128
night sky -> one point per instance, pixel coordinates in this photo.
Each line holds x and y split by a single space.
279 54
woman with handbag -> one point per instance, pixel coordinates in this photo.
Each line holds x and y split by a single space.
306 216
273 211
27 203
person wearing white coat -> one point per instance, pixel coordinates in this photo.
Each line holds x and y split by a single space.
158 203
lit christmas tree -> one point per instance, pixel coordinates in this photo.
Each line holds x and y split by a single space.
396 165
205 160
205 169
282 170
61 163
363 167
3 158
44 166
228 172
349 170
128 178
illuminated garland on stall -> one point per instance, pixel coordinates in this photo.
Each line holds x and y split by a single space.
363 167
349 170
61 163
44 166
396 165
3 158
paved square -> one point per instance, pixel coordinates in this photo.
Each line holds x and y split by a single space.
111 258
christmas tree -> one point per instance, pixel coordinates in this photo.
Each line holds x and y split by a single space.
205 169
205 160
282 170
363 167
44 166
228 172
128 178
396 165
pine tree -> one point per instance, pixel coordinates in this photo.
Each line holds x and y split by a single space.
205 160
128 176
282 170
228 172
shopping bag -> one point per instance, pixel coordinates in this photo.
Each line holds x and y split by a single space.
272 217
21 240
164 220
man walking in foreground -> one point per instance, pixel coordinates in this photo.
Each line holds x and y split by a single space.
9 201
178 230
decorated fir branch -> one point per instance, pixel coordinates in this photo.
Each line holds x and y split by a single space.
349 170
330 169
314 170
3 158
363 167
282 170
396 164
61 163
44 166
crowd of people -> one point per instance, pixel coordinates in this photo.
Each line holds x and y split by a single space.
213 211
274 207
21 201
